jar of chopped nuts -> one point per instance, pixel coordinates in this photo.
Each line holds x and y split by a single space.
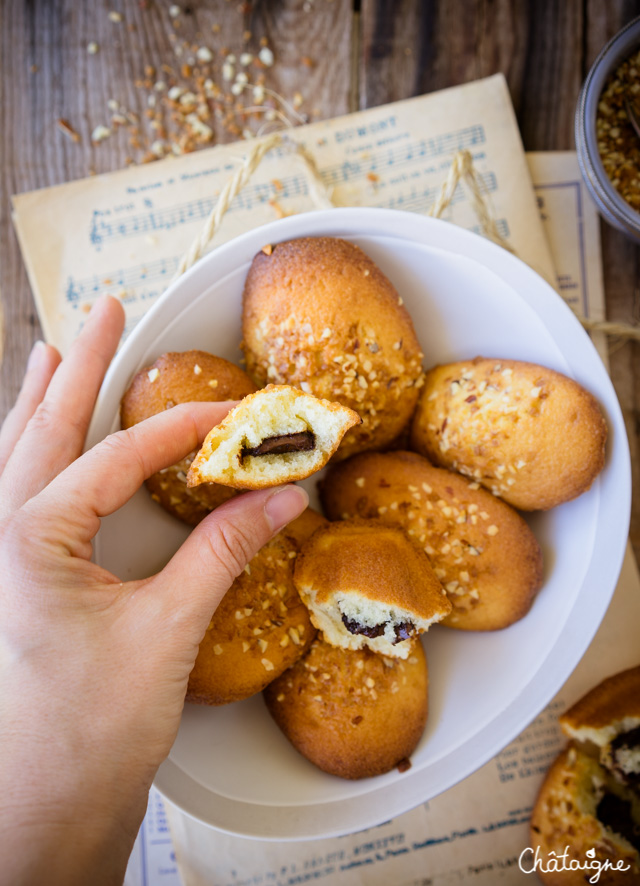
607 144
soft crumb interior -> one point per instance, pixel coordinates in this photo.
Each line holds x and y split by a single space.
276 415
605 734
366 612
628 759
329 619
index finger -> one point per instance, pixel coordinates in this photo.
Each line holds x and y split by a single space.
105 477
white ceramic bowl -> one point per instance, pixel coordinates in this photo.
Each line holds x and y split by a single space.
230 766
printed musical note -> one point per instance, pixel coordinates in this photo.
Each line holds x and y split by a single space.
295 185
140 281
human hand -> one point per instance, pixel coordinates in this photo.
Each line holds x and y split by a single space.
93 671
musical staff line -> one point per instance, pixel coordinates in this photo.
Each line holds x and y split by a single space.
422 201
148 274
103 230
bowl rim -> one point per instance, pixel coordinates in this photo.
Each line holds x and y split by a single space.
333 818
611 205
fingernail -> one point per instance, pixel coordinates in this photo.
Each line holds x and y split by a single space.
285 505
36 355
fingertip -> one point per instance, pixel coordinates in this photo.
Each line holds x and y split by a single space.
284 505
110 308
106 301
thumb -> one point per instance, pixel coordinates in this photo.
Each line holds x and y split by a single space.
202 571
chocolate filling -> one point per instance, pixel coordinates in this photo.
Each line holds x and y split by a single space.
403 631
626 741
302 441
615 813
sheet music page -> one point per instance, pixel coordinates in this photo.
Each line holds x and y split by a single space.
572 228
125 232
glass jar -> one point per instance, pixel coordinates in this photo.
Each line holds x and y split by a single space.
611 205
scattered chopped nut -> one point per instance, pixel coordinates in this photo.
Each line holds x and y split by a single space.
204 54
100 133
67 128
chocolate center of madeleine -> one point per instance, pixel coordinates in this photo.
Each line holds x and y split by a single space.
403 630
302 441
615 814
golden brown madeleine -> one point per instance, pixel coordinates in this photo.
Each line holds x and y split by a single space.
482 551
531 435
366 584
318 314
277 435
353 713
259 629
181 378
609 718
583 809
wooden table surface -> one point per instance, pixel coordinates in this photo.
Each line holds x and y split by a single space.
329 57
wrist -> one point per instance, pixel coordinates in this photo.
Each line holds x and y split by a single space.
45 845
69 814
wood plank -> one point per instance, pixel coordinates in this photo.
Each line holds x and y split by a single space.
310 42
430 46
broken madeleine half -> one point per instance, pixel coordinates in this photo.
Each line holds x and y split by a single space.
366 584
277 435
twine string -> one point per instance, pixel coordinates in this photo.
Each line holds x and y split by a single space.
231 190
461 169
611 328
317 191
